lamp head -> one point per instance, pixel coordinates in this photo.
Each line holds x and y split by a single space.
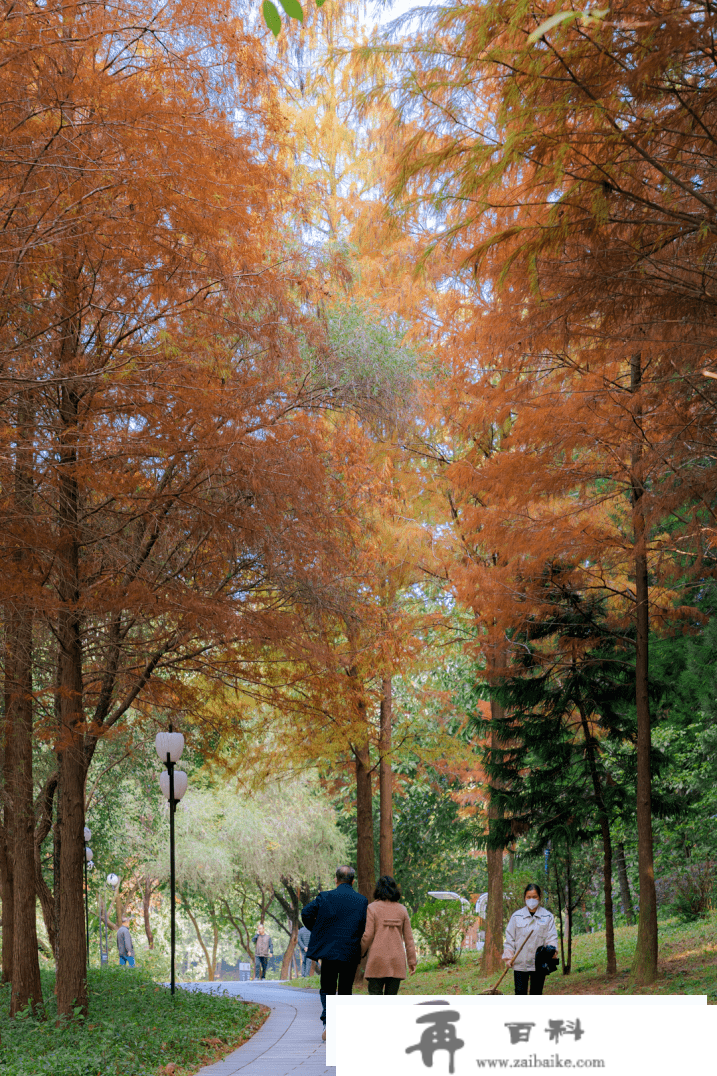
169 743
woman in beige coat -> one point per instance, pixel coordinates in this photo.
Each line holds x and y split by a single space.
387 939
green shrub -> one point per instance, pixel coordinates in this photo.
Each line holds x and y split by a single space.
442 925
693 890
134 1026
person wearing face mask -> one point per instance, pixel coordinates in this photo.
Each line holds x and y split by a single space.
537 925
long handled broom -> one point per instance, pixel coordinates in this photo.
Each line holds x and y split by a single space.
494 989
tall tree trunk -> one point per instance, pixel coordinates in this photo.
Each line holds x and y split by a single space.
6 835
26 989
56 857
8 914
611 959
559 897
494 856
72 944
365 853
385 849
569 910
47 901
644 965
44 810
625 895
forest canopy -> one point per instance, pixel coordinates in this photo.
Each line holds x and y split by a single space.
358 415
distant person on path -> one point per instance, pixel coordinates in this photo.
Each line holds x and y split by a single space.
537 925
263 949
124 944
387 939
303 943
336 919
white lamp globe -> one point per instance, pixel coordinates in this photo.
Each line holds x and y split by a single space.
88 855
180 784
88 834
169 743
112 880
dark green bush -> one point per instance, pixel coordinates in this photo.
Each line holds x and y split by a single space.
693 890
134 1026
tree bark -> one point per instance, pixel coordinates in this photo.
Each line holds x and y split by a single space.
72 945
26 989
625 895
385 850
494 858
289 952
611 959
558 895
6 835
43 813
365 854
644 965
292 909
146 898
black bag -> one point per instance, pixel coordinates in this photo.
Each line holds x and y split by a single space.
546 959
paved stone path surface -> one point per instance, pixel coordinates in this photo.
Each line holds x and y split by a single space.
289 1043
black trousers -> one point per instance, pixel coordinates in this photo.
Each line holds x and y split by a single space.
262 961
337 977
387 985
535 978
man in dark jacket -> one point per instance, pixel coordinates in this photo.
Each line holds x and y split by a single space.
337 920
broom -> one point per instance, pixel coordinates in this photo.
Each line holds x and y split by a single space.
494 989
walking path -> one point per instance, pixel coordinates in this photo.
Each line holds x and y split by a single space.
288 1044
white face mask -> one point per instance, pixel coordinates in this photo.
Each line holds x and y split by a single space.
531 902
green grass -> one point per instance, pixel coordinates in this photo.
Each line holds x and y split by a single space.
134 1027
687 965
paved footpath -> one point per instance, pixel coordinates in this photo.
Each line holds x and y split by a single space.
288 1044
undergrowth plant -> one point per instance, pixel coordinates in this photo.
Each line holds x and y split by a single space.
135 1026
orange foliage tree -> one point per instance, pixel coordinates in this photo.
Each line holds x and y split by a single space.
569 165
154 390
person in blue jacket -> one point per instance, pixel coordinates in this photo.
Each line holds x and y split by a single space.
336 919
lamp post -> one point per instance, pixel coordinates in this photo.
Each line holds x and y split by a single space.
448 894
88 866
112 882
173 783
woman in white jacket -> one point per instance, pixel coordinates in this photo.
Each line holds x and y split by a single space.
537 925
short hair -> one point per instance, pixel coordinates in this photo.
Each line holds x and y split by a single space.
345 874
125 919
536 887
386 889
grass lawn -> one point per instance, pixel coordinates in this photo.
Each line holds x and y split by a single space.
135 1028
687 965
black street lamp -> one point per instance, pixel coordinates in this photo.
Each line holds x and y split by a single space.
88 866
169 747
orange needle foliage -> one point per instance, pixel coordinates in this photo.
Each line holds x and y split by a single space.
572 181
163 481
